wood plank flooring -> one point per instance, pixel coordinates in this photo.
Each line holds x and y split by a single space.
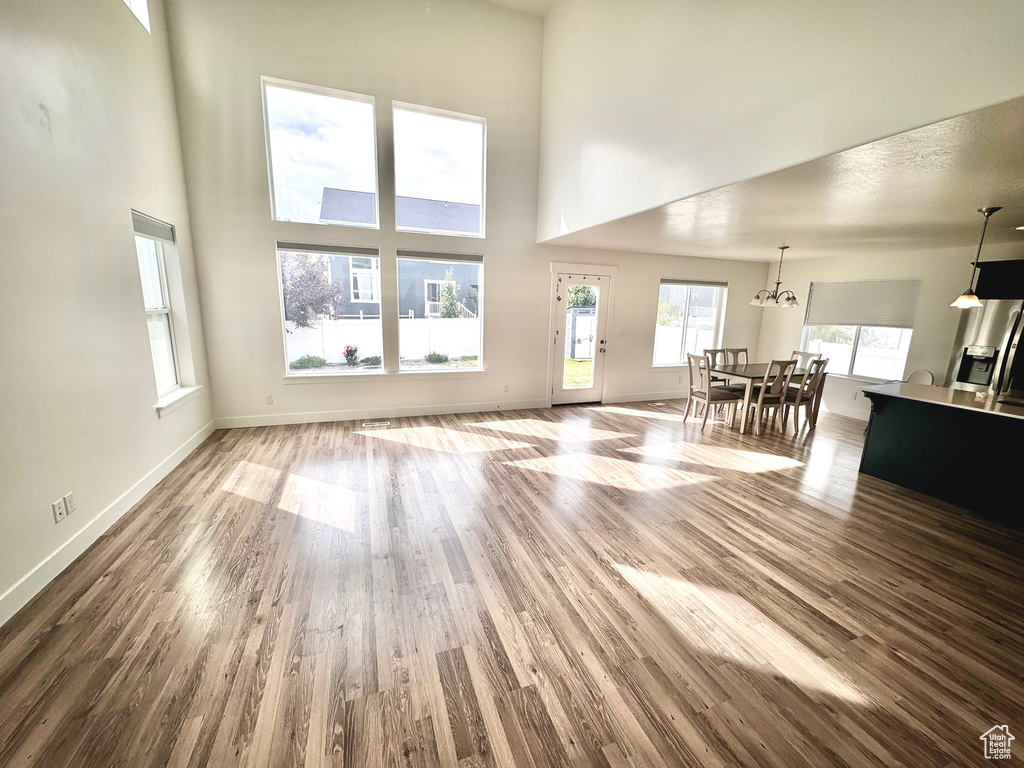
584 586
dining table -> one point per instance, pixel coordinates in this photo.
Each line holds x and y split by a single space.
750 374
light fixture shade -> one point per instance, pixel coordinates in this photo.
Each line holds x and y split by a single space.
757 302
967 300
792 302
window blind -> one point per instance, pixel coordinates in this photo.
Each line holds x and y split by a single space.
152 228
432 256
885 303
284 245
709 283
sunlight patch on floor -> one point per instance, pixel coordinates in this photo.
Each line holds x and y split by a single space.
551 430
658 415
253 481
727 626
716 456
446 440
615 473
320 502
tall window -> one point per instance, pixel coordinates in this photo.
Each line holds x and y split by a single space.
439 171
158 314
864 328
689 320
330 304
440 311
322 151
141 10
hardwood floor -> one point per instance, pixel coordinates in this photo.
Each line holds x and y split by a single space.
581 586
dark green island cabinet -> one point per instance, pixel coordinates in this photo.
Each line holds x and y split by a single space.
949 444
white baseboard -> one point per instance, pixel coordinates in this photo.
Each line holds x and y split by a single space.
383 412
51 566
679 394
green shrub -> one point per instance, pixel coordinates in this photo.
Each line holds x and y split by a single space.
436 357
371 360
308 361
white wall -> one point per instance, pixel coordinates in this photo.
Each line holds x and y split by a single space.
650 101
88 132
464 56
944 274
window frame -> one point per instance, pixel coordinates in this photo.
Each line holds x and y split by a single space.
319 90
358 272
165 311
328 250
805 340
475 259
719 316
465 117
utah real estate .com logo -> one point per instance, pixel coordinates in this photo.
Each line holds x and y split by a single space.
997 742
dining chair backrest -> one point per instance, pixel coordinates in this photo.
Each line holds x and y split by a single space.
782 370
815 375
804 357
816 370
736 356
717 356
921 376
699 377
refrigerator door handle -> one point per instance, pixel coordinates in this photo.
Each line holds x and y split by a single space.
1007 351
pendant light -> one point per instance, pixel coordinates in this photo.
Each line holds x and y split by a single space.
968 299
776 298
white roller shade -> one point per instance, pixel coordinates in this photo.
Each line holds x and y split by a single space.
434 256
348 250
152 228
885 303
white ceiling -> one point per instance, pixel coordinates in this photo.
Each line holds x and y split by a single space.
532 7
914 191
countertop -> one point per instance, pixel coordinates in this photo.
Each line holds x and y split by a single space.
954 398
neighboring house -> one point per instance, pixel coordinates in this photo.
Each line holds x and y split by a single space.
419 289
345 206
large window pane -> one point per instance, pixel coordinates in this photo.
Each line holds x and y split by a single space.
149 271
882 352
328 328
440 314
323 157
439 172
834 342
688 317
163 351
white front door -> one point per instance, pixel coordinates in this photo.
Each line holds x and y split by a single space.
579 320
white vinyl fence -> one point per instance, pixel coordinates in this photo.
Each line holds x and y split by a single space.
455 337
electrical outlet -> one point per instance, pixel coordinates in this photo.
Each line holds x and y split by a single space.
69 502
59 510
268 399
506 387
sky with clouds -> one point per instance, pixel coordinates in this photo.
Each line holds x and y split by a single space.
322 141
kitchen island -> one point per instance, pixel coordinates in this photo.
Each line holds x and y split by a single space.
950 444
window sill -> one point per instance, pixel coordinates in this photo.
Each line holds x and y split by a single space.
329 378
336 378
174 400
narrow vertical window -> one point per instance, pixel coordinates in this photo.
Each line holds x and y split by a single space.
158 314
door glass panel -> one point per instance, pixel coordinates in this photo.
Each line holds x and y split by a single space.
580 336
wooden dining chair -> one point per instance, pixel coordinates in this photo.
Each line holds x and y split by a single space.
702 392
717 357
803 395
736 356
804 358
771 392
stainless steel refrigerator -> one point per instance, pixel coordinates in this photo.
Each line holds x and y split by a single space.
986 355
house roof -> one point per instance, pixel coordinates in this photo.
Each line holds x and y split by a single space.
348 206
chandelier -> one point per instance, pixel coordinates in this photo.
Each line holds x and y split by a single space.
776 298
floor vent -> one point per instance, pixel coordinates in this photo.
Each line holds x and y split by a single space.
376 423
